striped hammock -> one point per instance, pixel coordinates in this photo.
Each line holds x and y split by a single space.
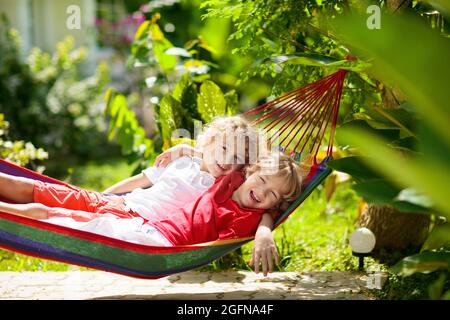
299 119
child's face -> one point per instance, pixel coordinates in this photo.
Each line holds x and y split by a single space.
223 156
261 191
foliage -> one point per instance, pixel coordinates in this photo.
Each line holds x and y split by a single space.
287 40
126 129
18 152
417 286
113 31
425 170
193 99
47 101
398 127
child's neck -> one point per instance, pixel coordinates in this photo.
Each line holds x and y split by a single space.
235 197
203 166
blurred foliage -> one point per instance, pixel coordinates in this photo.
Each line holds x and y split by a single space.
194 97
47 101
19 152
421 175
285 41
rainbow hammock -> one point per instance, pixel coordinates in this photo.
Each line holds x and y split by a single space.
298 119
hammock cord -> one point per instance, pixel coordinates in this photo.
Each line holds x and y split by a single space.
301 117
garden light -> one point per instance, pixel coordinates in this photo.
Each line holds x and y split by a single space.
362 241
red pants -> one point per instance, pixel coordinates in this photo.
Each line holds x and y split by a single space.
79 204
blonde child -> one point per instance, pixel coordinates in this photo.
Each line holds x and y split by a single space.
156 189
232 208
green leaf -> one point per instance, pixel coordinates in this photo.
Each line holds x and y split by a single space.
376 191
189 102
169 117
408 143
382 192
161 44
141 32
363 125
442 5
313 59
355 167
232 102
425 262
411 195
179 87
439 237
165 61
403 171
436 289
398 58
211 101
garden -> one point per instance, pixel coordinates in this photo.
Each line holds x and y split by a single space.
170 64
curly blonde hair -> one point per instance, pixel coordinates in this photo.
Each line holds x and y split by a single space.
280 164
238 128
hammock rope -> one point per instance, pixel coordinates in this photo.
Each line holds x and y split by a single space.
303 116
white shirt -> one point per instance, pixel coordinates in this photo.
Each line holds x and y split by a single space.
179 183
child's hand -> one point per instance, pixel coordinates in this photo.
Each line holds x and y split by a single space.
172 154
264 249
163 159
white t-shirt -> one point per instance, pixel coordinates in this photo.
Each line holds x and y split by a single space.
179 183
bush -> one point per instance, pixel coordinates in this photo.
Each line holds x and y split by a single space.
46 99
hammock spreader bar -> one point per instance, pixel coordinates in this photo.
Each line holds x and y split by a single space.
314 107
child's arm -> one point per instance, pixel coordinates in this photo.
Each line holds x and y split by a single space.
264 247
176 152
129 184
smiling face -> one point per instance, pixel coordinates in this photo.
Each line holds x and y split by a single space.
274 179
261 191
223 156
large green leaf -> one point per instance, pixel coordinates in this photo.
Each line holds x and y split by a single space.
411 195
409 53
160 45
124 126
398 118
422 173
179 87
167 117
232 102
313 59
439 237
383 192
211 101
354 166
386 133
189 100
425 262
440 4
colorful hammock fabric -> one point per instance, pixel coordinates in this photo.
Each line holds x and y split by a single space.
300 117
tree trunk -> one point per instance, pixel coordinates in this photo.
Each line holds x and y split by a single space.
395 230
